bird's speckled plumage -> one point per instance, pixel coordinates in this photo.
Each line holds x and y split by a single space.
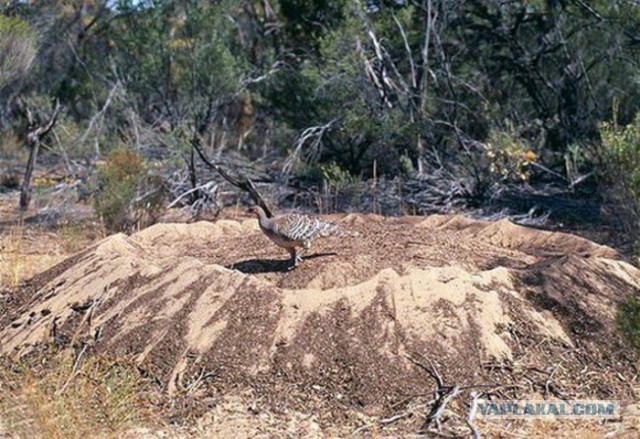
293 230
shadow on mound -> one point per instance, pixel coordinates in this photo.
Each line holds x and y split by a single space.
519 310
255 266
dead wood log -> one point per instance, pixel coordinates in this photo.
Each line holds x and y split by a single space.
33 141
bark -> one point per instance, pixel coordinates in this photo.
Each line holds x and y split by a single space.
33 141
25 190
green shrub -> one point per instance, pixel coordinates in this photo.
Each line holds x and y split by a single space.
117 182
508 156
620 169
330 176
628 320
334 177
405 166
17 49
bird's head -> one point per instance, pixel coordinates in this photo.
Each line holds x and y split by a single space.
254 210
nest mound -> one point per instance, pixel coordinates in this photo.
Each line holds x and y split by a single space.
210 309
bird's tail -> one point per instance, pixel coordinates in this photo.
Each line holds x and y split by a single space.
330 229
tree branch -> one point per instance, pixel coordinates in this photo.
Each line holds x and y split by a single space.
239 181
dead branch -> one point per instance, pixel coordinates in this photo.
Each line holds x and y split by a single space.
239 181
382 71
425 57
443 394
371 74
74 371
37 134
472 415
550 387
412 64
96 117
33 141
395 418
430 369
439 407
207 186
315 133
275 68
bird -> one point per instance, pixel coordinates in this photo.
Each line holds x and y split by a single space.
293 230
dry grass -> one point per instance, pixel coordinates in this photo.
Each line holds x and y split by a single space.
26 251
11 259
561 429
60 398
11 148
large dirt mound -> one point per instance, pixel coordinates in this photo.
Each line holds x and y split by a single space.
210 307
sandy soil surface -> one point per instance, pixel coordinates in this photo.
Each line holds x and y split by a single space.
211 310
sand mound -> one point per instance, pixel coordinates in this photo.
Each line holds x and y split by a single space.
210 307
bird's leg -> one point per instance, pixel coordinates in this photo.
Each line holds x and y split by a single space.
295 259
306 246
296 255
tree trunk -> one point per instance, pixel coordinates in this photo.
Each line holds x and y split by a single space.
25 190
34 139
193 177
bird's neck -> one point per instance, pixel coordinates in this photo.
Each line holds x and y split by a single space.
262 217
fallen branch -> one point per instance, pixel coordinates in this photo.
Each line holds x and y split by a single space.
472 415
74 371
390 420
240 181
443 394
207 186
439 407
430 369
